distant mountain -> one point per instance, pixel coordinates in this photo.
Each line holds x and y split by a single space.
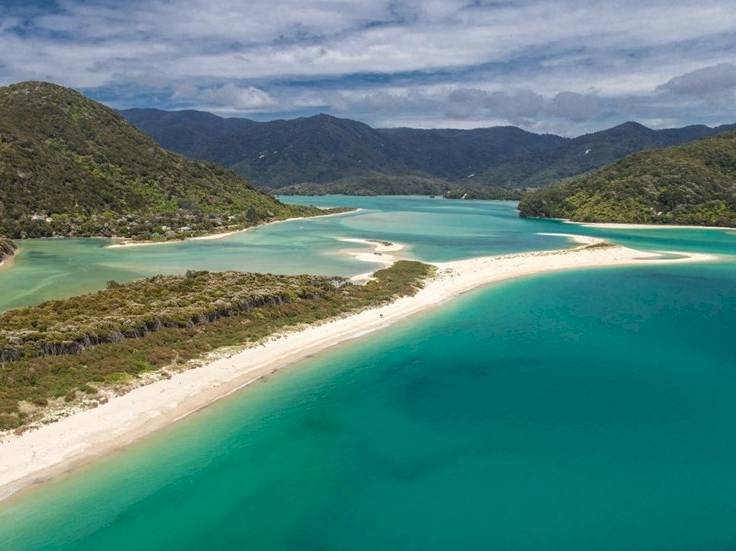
71 166
278 153
687 184
325 153
591 151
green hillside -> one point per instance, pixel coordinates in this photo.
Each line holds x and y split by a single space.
325 154
688 184
71 166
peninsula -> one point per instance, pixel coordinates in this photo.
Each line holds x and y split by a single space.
158 349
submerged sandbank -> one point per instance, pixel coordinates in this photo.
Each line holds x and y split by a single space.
37 455
384 254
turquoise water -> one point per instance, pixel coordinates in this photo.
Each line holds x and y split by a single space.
587 410
432 230
441 229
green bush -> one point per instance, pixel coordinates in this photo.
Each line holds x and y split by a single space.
56 358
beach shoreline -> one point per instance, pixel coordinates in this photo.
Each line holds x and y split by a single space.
384 253
121 242
625 226
35 456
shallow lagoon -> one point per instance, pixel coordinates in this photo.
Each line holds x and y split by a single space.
432 229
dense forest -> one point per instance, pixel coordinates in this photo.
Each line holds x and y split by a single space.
688 184
402 185
325 154
71 166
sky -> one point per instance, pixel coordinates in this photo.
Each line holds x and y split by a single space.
562 66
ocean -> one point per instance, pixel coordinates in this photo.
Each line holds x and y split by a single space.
590 409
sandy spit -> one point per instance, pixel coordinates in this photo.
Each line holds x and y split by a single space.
37 455
384 253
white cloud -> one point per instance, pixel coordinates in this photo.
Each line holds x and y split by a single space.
228 97
262 39
553 64
522 105
575 107
707 81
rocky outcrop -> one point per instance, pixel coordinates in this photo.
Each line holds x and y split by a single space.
88 340
7 248
135 310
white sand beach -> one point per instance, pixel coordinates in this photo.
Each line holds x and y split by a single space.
619 226
122 242
37 455
384 253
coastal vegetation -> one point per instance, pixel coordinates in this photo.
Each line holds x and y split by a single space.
378 184
691 184
70 166
64 350
371 184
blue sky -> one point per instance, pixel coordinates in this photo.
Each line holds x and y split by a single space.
564 66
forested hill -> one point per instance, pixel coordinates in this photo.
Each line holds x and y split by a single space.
71 166
688 184
334 154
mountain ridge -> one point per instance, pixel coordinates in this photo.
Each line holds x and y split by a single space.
323 152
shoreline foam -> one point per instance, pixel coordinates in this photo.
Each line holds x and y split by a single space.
37 455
